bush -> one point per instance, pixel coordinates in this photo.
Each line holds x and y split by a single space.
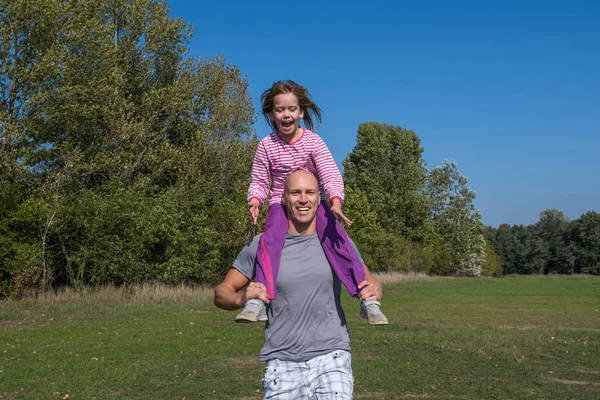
383 251
441 260
491 266
593 270
26 262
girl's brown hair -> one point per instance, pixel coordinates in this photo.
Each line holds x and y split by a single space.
305 102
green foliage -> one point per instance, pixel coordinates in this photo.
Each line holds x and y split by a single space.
28 264
552 229
387 165
388 252
132 160
11 196
454 218
553 245
491 266
358 210
384 177
380 249
584 238
519 250
408 219
440 254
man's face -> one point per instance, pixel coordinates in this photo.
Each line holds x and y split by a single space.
302 198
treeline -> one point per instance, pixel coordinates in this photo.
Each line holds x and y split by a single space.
122 160
552 245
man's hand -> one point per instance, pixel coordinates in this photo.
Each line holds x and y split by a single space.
369 288
254 206
336 208
256 290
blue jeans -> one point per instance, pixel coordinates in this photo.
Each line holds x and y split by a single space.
326 377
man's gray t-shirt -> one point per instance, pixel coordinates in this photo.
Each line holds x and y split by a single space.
306 319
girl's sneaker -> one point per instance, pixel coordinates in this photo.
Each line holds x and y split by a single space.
369 309
254 311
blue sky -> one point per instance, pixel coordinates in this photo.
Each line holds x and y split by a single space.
508 89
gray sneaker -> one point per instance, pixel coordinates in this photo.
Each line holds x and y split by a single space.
254 311
369 309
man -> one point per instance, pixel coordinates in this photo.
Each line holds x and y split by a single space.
307 346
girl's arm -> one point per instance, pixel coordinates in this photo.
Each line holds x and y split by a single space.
336 208
259 181
330 177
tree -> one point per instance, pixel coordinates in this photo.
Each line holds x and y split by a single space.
491 266
518 248
455 218
358 210
387 166
133 156
552 229
379 249
584 237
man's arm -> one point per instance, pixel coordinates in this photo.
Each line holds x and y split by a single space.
370 287
228 294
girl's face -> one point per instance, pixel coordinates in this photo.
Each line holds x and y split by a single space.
287 115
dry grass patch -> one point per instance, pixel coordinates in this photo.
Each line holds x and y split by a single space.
160 293
147 293
396 276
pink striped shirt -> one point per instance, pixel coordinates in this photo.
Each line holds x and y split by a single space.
275 159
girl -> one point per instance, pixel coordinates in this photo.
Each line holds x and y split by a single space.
290 147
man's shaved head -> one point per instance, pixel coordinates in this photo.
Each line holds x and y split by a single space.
294 176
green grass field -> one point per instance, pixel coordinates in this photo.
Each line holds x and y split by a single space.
509 338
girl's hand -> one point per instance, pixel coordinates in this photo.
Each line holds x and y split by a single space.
336 208
254 206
